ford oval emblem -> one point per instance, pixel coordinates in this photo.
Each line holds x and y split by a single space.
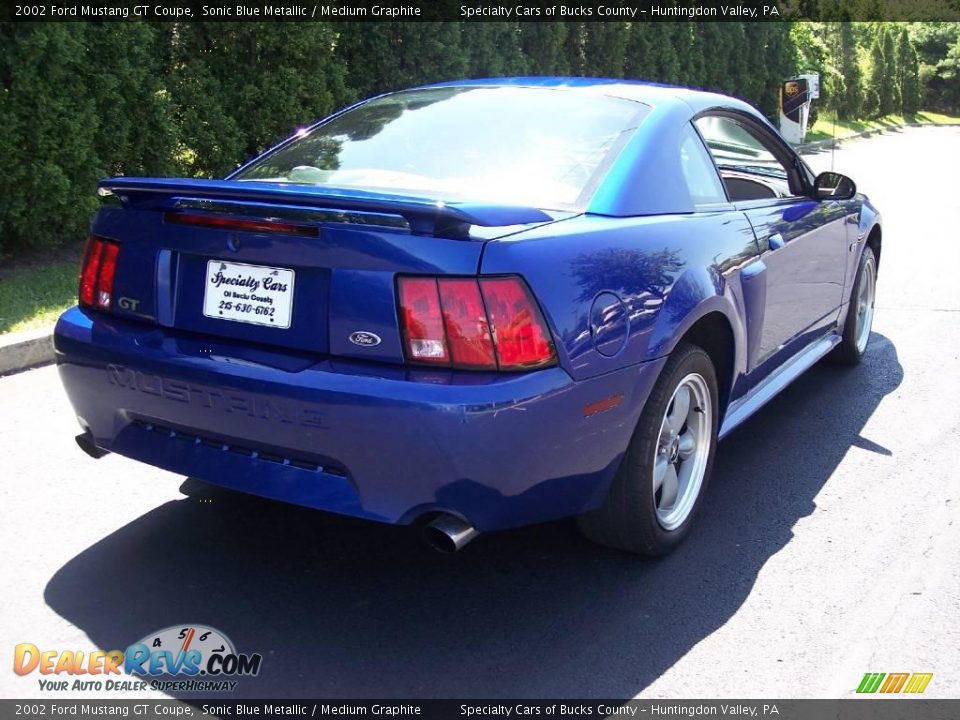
364 338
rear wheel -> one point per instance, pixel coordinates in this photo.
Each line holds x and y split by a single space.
856 329
658 488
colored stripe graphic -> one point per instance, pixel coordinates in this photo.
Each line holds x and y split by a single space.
187 640
918 683
894 683
870 682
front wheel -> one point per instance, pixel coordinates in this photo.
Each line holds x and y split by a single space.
859 323
657 490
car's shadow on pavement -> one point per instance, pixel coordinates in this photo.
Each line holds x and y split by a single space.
343 608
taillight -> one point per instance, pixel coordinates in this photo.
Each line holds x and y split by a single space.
88 269
422 322
481 324
521 335
465 320
97 272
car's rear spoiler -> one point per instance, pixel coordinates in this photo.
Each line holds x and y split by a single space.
424 216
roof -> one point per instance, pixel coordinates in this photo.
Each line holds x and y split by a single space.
646 177
650 93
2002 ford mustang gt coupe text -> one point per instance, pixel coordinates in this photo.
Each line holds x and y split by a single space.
474 305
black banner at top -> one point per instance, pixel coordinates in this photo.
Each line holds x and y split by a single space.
477 10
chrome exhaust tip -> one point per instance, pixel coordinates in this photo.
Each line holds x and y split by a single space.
448 533
86 443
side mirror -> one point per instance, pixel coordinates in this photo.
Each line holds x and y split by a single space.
833 186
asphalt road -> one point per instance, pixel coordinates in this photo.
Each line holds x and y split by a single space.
827 547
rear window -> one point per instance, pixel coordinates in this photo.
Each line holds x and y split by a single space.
527 146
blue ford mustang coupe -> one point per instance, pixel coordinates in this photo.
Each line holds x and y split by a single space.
474 305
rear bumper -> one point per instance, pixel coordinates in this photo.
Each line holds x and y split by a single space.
367 440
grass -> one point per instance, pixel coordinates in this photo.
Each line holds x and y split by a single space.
825 128
32 295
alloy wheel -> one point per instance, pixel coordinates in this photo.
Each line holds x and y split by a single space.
683 449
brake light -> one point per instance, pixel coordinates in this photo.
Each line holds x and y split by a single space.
229 223
97 271
485 323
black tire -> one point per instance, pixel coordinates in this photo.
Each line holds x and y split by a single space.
848 352
628 518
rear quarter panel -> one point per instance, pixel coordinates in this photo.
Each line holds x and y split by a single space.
664 272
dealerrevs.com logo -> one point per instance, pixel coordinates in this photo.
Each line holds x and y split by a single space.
200 658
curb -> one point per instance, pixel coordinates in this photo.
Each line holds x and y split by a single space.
24 350
833 142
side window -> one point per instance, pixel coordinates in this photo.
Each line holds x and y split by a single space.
698 170
748 169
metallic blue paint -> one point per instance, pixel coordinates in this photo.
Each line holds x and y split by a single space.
482 214
307 416
400 442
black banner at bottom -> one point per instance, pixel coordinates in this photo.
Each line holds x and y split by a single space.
893 708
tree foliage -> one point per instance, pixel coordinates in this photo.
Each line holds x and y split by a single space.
874 105
889 89
79 101
240 87
938 47
849 105
909 74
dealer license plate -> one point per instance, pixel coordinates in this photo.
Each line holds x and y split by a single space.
248 293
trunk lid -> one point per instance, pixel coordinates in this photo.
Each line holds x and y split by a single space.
302 267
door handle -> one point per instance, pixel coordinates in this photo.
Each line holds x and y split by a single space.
775 241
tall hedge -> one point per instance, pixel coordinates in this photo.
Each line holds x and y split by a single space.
850 102
82 101
240 87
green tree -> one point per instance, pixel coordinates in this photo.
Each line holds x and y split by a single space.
813 55
933 40
737 71
241 87
492 49
665 61
755 84
890 101
713 53
876 104
871 103
50 130
575 49
945 81
690 55
80 101
543 44
850 101
384 56
605 45
127 68
639 62
780 63
909 73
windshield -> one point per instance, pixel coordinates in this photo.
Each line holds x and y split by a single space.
526 146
